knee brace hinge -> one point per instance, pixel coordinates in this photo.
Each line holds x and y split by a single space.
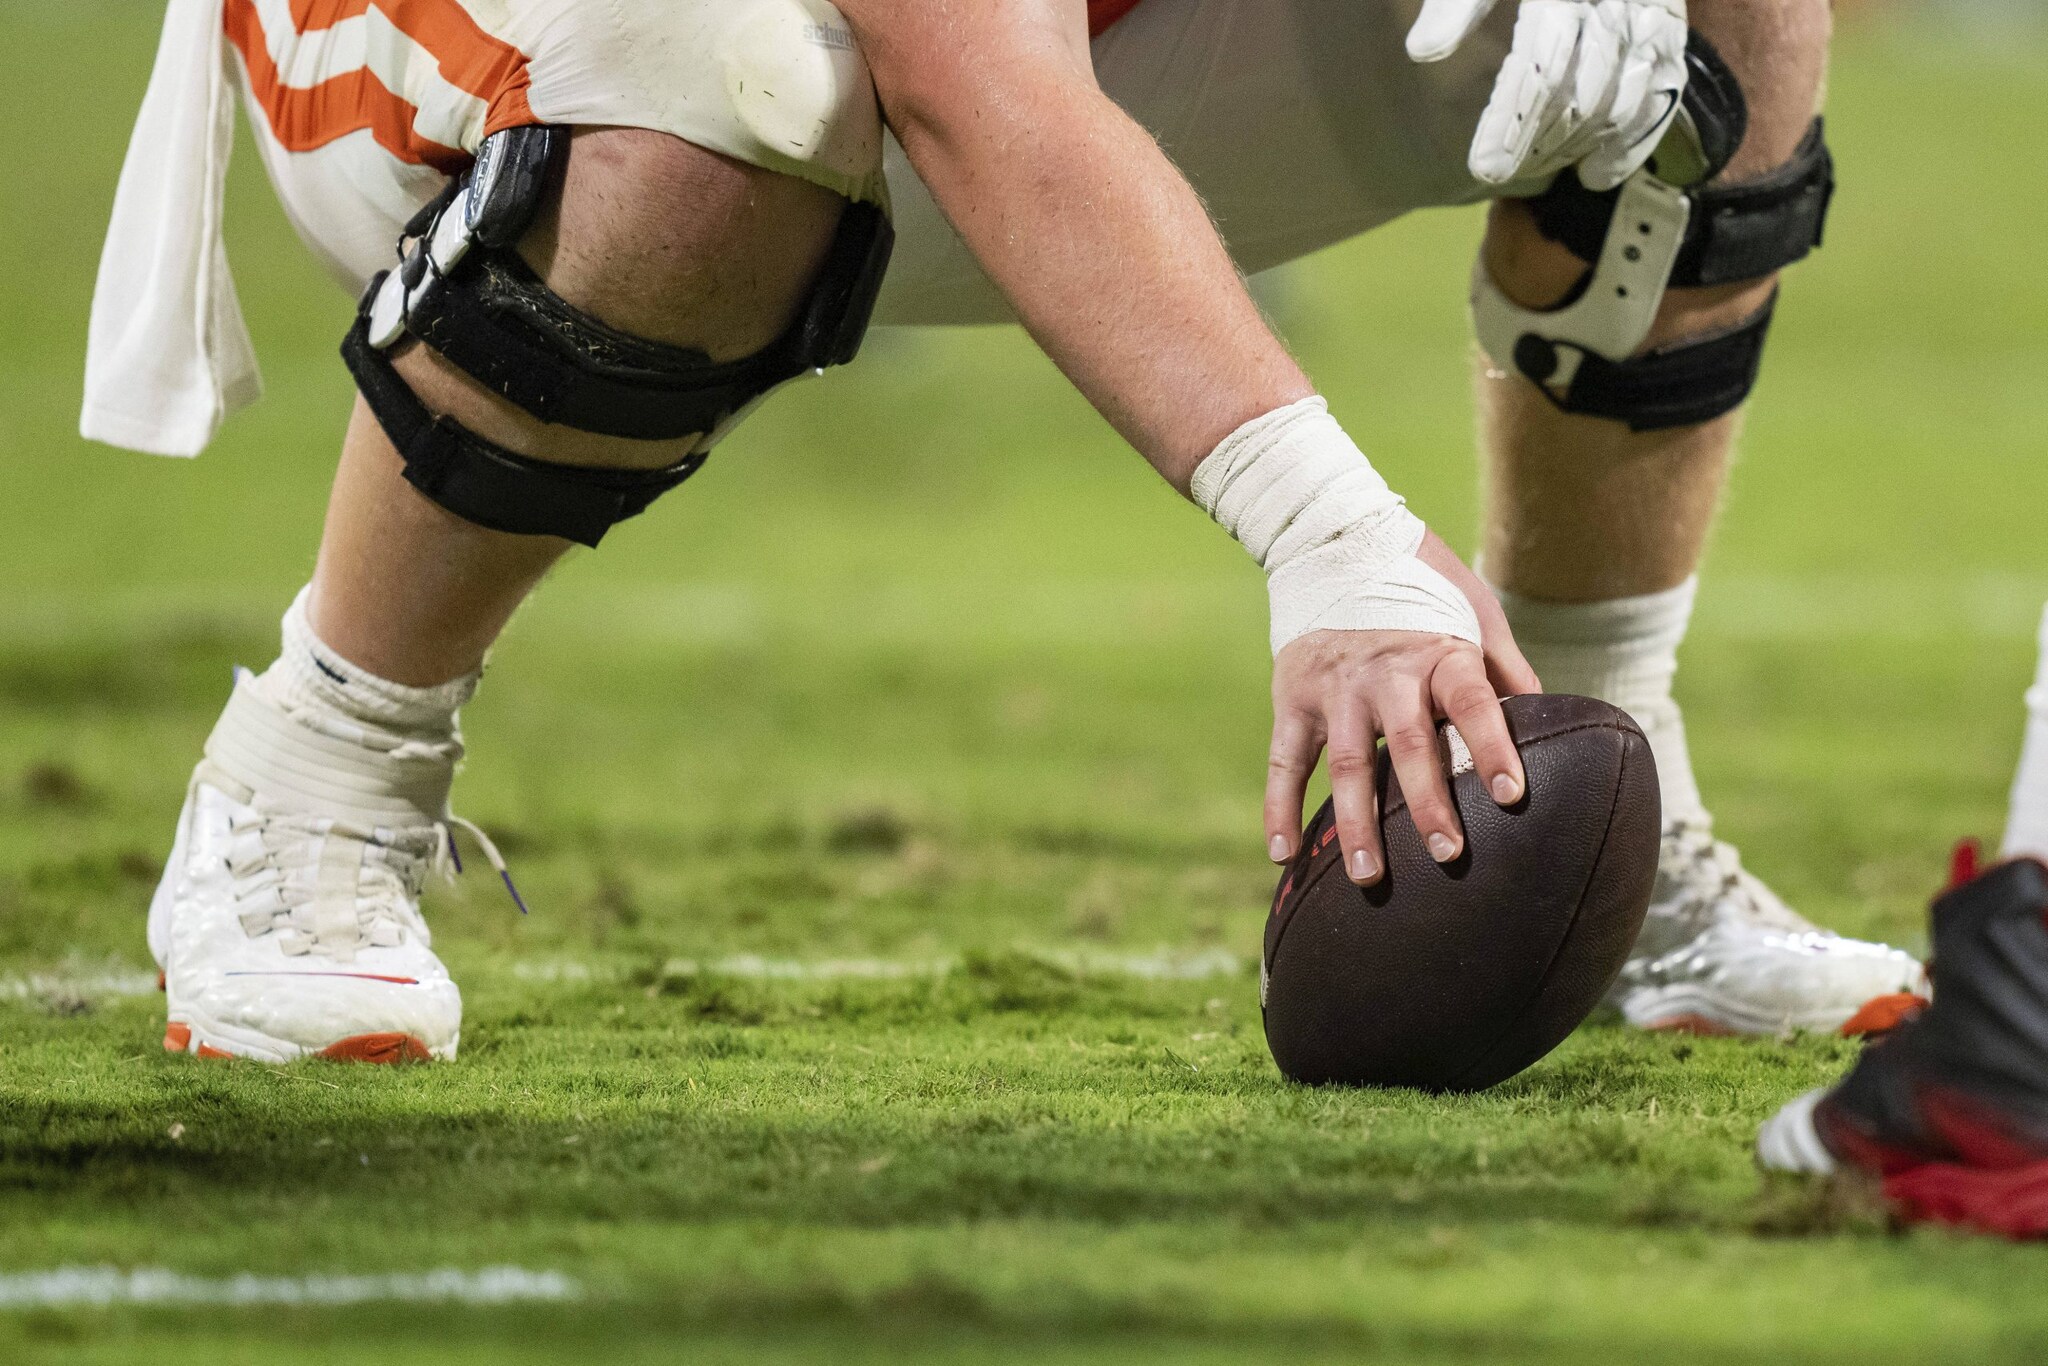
1641 238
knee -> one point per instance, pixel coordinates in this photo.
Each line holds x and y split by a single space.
661 240
1649 304
1777 52
669 241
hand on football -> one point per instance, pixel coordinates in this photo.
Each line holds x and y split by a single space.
1585 84
1344 690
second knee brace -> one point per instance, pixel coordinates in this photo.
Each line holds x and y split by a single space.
1659 228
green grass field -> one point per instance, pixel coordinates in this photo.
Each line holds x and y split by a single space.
927 675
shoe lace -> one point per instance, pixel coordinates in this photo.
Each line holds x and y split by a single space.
491 854
285 868
1701 882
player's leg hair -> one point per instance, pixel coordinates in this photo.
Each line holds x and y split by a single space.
1593 529
1581 508
649 235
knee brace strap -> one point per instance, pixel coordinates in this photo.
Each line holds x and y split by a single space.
482 482
1687 382
465 292
461 289
1734 232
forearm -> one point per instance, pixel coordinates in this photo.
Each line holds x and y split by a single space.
1111 262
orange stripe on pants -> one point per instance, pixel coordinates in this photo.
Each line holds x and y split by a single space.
303 119
468 57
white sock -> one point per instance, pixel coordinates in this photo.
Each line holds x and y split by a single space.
310 676
1623 651
2026 828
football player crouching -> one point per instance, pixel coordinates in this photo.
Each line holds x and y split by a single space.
618 233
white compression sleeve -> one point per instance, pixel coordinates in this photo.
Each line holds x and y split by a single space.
1338 546
1623 651
2026 830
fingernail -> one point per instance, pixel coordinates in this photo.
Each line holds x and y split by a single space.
1276 848
1442 847
1507 790
1363 869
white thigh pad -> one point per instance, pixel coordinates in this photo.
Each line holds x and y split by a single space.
797 80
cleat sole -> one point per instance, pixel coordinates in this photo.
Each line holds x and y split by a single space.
1694 1009
387 1049
1700 1026
1883 1014
2009 1201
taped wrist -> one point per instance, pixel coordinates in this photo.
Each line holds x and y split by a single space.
1338 546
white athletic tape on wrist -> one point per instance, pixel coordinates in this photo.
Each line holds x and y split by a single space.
1338 546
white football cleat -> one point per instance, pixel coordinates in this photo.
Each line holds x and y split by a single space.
1721 954
287 924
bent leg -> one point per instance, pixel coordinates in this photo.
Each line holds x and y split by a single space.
1594 532
652 236
288 921
1582 509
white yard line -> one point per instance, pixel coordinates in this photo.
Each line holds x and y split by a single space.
59 986
1161 965
91 1286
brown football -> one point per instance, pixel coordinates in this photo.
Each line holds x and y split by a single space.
1452 977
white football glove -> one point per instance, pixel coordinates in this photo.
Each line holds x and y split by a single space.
1591 83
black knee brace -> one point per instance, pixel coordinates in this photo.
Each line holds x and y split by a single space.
1658 229
463 290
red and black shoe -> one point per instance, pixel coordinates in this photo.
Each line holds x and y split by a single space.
1950 1110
